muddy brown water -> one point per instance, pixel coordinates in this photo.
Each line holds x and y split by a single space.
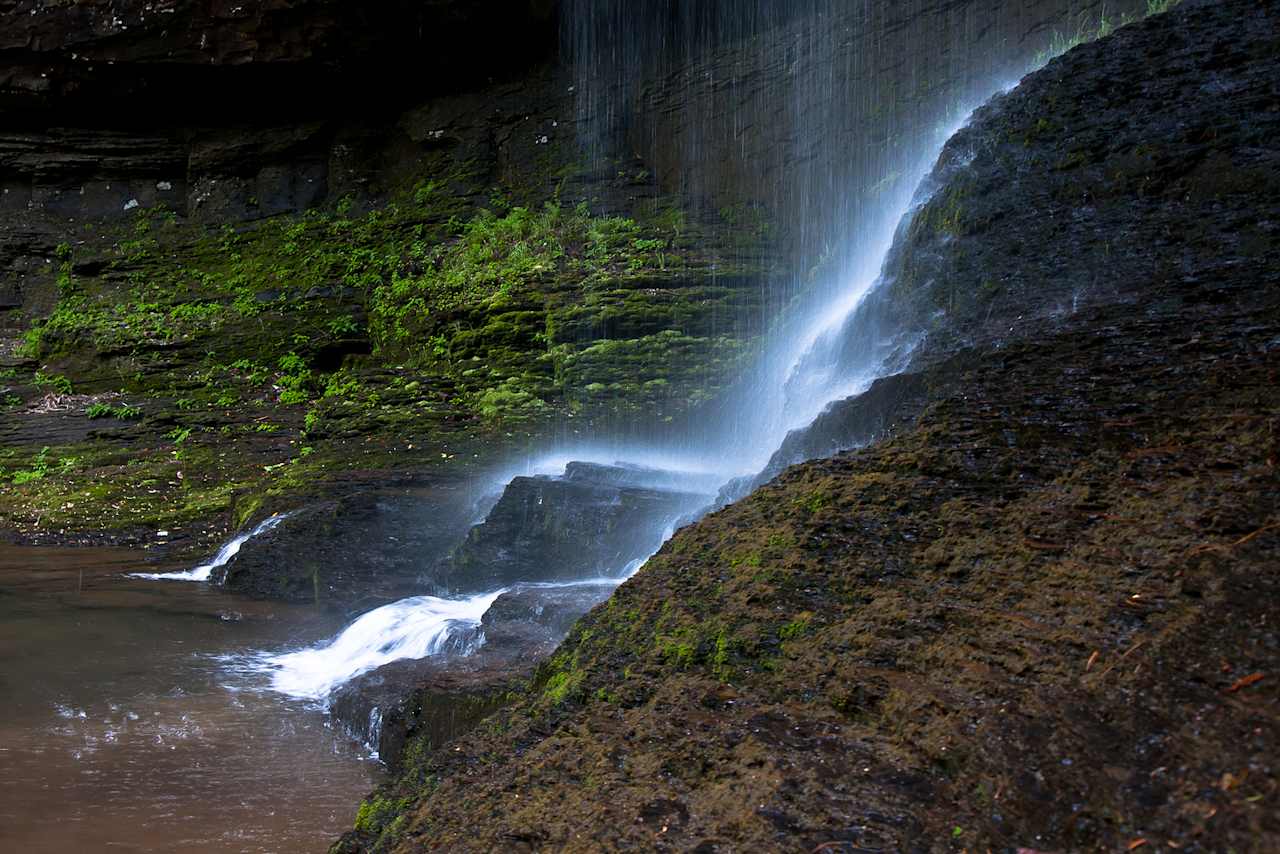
126 724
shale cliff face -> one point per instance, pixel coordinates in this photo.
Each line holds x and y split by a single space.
199 194
1039 616
802 109
274 245
223 111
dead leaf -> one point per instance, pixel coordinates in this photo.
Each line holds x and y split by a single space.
1092 659
1245 682
1137 843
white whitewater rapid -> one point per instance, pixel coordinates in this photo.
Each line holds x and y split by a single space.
229 549
410 628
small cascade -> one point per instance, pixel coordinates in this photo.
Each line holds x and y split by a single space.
603 505
606 520
229 549
410 628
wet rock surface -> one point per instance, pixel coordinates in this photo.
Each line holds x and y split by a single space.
711 121
530 618
106 102
1040 615
594 521
226 114
355 551
431 701
1045 205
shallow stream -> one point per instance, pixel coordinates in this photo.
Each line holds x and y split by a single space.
126 726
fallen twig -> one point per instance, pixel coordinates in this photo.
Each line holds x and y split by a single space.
1128 652
1240 542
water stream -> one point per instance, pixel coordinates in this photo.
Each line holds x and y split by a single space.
229 549
806 363
123 728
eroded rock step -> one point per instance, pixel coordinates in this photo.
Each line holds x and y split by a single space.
595 521
543 538
439 698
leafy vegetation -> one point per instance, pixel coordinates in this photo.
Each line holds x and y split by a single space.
1091 30
122 411
494 260
387 334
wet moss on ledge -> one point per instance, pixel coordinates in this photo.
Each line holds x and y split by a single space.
424 331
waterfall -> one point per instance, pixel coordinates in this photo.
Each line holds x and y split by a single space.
229 549
849 106
809 376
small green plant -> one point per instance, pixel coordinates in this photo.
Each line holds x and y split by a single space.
39 468
341 385
179 435
254 373
122 411
295 379
343 325
53 382
561 686
423 193
1104 26
377 812
794 629
195 312
813 501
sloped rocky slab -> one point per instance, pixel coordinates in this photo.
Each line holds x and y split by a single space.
593 521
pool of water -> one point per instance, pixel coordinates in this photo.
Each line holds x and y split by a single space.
126 726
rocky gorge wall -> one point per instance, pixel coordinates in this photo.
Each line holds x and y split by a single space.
223 111
805 114
306 176
226 112
254 368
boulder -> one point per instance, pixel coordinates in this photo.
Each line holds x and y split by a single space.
594 521
353 551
